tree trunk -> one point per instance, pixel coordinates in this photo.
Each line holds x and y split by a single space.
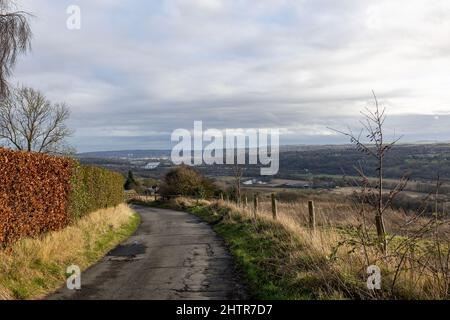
381 231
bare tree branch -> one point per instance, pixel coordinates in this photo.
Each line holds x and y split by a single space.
28 121
15 37
238 172
376 147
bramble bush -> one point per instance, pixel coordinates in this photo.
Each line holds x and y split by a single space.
41 193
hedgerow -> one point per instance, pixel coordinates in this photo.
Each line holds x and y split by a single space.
94 188
41 193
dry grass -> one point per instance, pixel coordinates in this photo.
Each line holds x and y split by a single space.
32 268
331 262
417 279
344 214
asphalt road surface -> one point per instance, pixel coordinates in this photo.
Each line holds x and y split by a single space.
173 255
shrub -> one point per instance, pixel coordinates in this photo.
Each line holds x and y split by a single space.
131 183
41 193
185 181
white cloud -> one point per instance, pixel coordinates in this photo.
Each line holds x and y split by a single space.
299 65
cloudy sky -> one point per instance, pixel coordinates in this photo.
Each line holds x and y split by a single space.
139 69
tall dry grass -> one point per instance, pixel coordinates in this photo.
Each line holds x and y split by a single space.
32 268
414 268
344 214
337 258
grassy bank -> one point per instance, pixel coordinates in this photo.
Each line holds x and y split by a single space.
282 259
33 268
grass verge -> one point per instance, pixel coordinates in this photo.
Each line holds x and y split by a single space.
33 268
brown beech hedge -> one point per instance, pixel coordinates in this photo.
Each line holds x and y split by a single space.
41 193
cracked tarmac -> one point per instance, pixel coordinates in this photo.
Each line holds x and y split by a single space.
172 256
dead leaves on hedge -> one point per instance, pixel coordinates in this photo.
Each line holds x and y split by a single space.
36 193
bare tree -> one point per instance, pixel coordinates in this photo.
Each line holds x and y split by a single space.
30 122
238 172
376 147
15 36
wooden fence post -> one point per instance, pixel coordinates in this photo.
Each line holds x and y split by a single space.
312 215
255 205
246 202
274 207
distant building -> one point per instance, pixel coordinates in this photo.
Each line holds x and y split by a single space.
152 165
252 182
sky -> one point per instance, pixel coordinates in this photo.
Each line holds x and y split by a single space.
137 70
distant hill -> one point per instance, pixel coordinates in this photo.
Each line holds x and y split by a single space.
130 154
421 161
166 153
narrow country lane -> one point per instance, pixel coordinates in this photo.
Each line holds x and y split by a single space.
173 255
